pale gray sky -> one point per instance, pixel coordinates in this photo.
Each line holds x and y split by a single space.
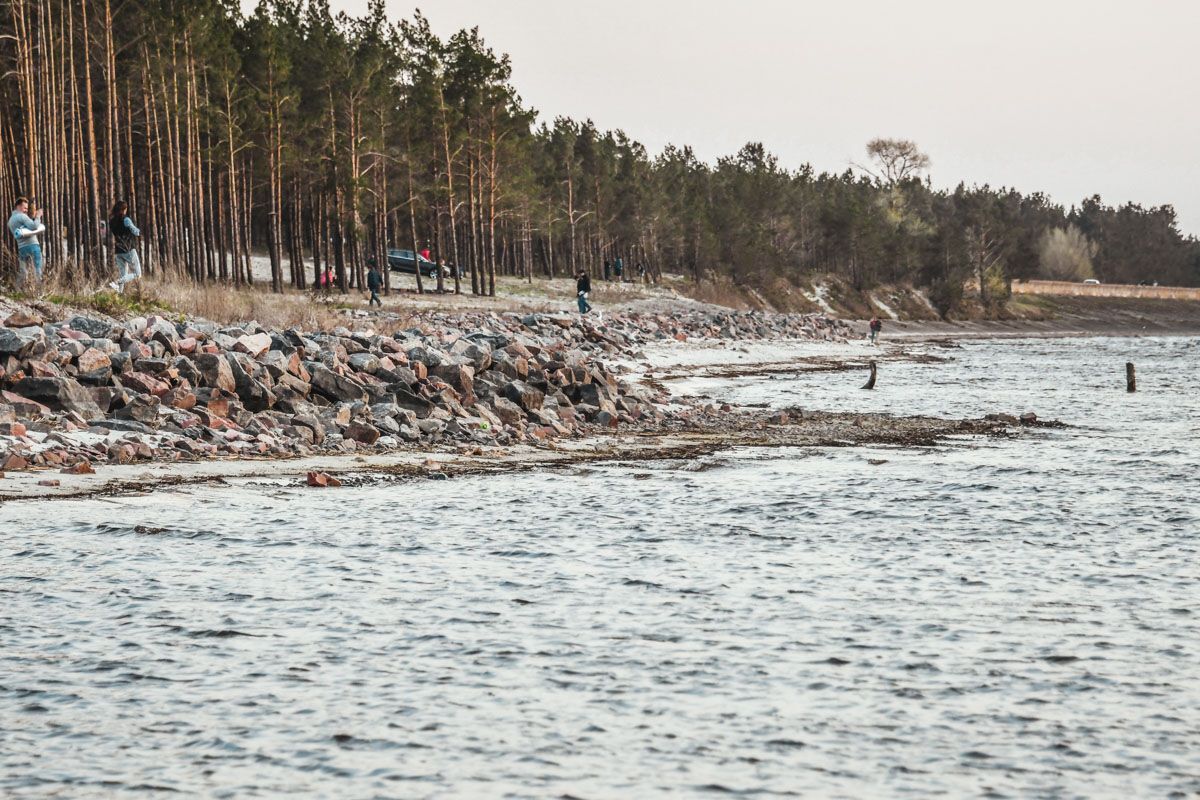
1063 96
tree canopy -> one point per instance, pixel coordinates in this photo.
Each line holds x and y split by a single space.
322 139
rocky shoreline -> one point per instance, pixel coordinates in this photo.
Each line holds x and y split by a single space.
80 390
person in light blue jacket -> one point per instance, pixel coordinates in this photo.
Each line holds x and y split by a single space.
125 235
25 230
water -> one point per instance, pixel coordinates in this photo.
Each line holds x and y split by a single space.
1003 618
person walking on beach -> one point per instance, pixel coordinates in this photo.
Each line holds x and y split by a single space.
374 283
124 235
25 230
583 287
876 326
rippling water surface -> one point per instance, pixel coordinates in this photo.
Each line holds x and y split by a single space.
1002 618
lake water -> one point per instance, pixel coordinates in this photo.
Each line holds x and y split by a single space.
1005 618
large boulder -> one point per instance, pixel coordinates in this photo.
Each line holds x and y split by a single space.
93 358
23 319
22 342
144 383
407 400
364 362
23 406
62 394
253 394
361 432
509 412
329 384
524 395
215 372
460 377
253 345
95 328
478 355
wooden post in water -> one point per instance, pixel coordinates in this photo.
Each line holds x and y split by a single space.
1130 377
870 384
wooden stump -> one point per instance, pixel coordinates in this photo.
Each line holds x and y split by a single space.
1130 377
870 384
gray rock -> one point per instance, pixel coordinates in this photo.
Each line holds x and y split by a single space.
121 425
253 394
407 400
524 395
59 393
22 342
430 358
95 328
364 362
215 372
333 386
142 408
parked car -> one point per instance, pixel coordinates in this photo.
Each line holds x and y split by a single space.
406 261
1092 282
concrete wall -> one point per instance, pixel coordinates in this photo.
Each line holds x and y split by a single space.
1105 290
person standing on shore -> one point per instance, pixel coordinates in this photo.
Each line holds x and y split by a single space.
25 230
124 235
876 326
583 287
374 283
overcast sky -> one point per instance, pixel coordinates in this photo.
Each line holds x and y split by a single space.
1067 97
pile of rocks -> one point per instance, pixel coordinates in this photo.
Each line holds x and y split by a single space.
87 389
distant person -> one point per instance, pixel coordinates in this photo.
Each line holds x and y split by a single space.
25 230
583 287
607 269
619 269
876 326
641 270
124 235
326 282
374 283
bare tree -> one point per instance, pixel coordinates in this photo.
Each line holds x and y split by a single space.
896 160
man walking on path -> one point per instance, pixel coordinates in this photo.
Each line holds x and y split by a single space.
25 230
374 284
124 235
583 286
876 326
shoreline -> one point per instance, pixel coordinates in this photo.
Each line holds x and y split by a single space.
474 391
794 429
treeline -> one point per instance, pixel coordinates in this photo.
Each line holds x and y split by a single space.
324 139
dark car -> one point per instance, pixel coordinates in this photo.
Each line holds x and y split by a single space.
406 261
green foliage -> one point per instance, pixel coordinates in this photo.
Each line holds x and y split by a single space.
331 137
111 303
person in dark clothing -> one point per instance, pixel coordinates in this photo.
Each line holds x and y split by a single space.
374 283
876 327
583 286
125 235
607 269
619 269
